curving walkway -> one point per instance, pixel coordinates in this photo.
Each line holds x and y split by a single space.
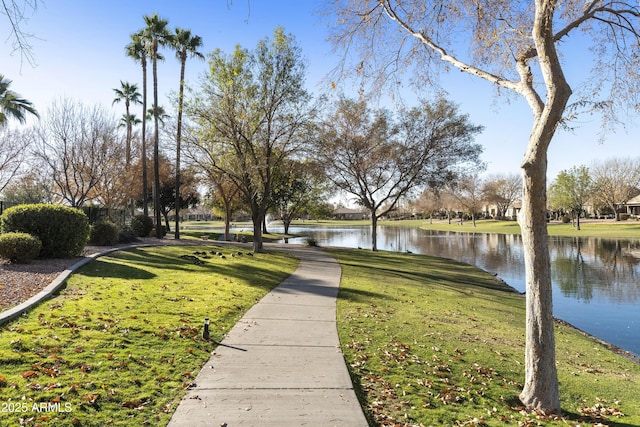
281 365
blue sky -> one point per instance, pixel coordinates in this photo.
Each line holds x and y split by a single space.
79 54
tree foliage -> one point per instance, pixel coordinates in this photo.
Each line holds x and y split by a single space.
572 190
250 118
378 158
616 181
502 190
12 105
79 147
13 154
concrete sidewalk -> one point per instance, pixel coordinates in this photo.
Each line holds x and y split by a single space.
281 364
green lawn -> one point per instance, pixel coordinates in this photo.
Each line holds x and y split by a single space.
122 341
432 342
428 341
629 229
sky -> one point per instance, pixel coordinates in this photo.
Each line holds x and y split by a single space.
78 48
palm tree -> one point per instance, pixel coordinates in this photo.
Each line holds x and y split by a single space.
11 105
129 94
162 114
185 44
138 51
156 34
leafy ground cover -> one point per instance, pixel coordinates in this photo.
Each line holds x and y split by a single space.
123 340
433 342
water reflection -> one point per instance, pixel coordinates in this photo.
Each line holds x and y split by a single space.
596 285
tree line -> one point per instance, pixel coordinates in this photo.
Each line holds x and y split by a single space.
249 132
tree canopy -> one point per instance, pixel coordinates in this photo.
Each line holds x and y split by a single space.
379 158
250 118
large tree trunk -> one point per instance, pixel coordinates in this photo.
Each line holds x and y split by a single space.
257 216
374 231
541 382
540 390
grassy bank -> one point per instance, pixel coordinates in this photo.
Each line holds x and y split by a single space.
629 229
433 342
593 228
122 341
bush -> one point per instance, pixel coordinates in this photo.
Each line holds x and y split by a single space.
104 233
141 225
566 219
624 216
19 247
163 231
63 231
126 235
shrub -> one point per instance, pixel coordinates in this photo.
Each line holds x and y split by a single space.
141 225
63 231
126 235
624 216
104 233
163 231
566 219
19 247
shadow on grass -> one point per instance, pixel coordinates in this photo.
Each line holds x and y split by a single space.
136 264
442 272
100 268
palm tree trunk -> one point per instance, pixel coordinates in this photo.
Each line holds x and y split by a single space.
156 144
145 195
178 138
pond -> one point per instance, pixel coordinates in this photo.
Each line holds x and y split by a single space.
595 280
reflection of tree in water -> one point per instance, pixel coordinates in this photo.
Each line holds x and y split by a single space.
596 268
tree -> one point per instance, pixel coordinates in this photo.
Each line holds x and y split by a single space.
296 189
12 105
615 182
185 45
502 190
129 94
428 203
189 197
468 192
252 116
571 190
513 45
379 159
156 34
224 198
29 189
15 11
137 50
158 112
13 154
77 145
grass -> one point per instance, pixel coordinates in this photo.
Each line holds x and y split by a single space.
122 341
609 229
191 230
432 342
